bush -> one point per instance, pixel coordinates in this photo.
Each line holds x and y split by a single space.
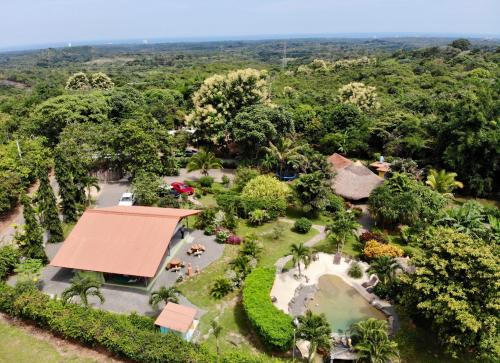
368 236
355 271
9 257
266 192
205 218
271 324
222 236
233 240
225 180
302 225
374 249
258 217
221 288
243 176
335 203
206 181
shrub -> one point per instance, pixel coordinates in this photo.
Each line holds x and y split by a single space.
271 324
225 180
268 192
258 217
302 225
374 249
368 236
205 218
9 257
222 236
355 271
335 203
233 240
243 176
206 181
221 288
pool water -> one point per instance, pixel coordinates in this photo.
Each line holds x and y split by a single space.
341 304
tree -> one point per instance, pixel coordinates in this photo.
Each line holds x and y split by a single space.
285 155
356 93
300 253
268 193
256 126
220 98
78 82
384 267
315 329
372 342
461 43
165 295
30 240
101 81
343 226
47 207
146 187
404 200
216 331
455 287
164 105
443 182
83 285
203 160
313 191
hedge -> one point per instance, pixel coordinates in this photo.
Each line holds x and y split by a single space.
273 325
9 257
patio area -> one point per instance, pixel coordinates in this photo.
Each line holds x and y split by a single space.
126 299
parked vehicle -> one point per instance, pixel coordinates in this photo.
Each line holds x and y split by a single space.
127 199
190 151
180 187
167 189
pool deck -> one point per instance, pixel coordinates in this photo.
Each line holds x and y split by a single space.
286 283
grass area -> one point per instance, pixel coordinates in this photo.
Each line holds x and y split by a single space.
296 213
352 247
67 228
236 329
208 200
485 202
21 347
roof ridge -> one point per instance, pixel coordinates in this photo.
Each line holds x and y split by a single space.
131 213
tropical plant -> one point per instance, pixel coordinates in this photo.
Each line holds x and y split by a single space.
220 288
342 227
165 295
443 182
384 267
29 269
30 240
285 155
313 192
355 271
372 343
302 225
468 218
258 217
203 160
251 247
315 329
83 285
300 253
216 330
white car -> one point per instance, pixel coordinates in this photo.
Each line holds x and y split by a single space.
127 200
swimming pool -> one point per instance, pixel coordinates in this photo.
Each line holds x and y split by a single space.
341 304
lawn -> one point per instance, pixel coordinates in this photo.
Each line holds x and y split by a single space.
236 329
19 346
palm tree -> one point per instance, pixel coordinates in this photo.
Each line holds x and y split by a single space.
221 288
300 253
372 342
216 331
343 226
443 182
83 285
164 294
203 160
315 329
251 247
286 153
384 267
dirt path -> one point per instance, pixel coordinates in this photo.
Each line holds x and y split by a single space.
63 347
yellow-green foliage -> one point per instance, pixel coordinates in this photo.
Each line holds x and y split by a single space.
268 188
374 249
359 94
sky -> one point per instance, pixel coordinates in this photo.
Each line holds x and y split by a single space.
31 22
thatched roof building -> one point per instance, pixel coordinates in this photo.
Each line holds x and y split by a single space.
352 180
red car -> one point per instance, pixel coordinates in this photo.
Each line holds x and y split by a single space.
180 187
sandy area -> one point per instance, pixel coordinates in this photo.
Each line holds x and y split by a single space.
286 283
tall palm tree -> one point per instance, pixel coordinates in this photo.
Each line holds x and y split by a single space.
285 153
203 160
315 329
372 342
343 226
384 267
164 294
443 182
300 253
83 285
216 331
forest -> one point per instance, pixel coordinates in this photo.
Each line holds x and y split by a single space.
428 106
